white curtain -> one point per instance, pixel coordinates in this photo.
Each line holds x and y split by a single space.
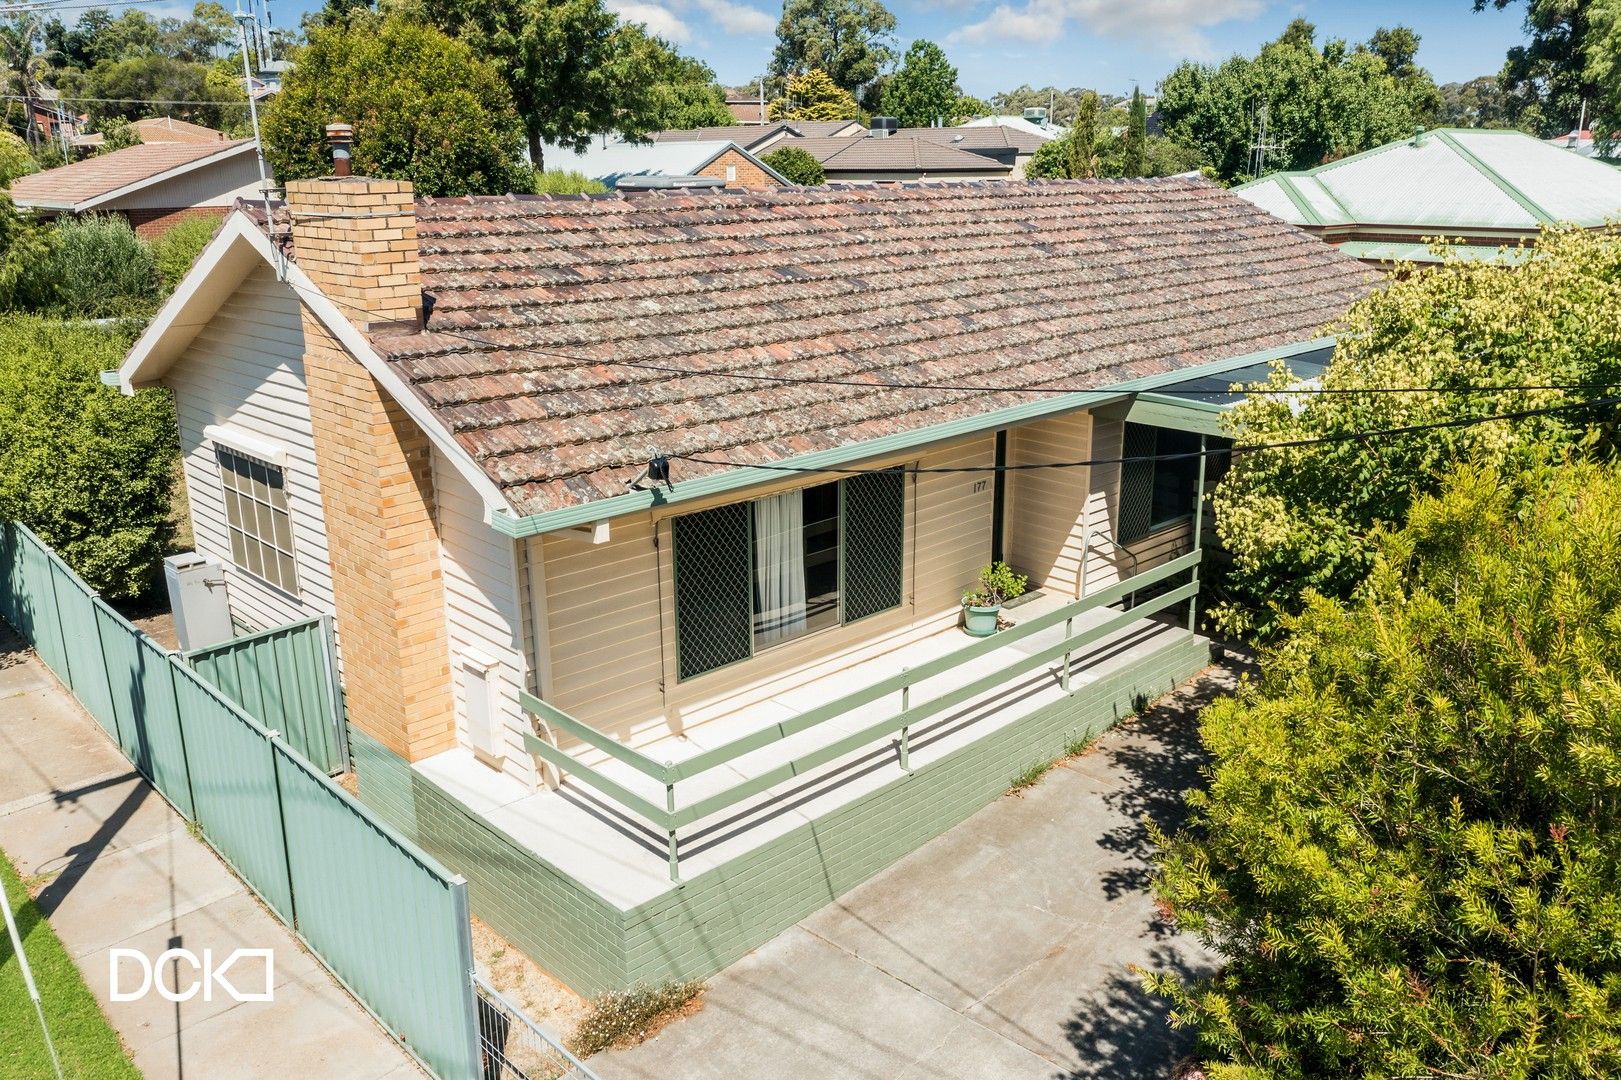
779 560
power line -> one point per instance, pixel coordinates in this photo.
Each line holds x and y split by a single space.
130 101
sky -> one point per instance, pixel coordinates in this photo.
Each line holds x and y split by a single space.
1107 45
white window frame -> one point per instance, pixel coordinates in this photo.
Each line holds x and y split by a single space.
262 532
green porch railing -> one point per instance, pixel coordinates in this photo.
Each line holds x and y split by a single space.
670 817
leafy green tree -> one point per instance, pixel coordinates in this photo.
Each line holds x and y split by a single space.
24 252
850 40
99 269
423 106
1479 102
1319 104
1604 71
177 247
1397 46
923 90
15 160
1550 73
1073 155
1134 141
796 166
86 468
117 134
559 59
657 88
1061 105
1300 520
563 182
126 85
813 96
1409 853
968 107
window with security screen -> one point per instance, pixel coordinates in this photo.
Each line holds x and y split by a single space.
753 575
1158 480
256 515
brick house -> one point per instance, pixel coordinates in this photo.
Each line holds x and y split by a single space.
646 519
153 185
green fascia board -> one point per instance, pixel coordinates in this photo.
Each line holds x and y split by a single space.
1496 178
1163 411
1504 254
841 456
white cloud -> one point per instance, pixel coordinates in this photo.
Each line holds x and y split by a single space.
738 18
658 20
1175 26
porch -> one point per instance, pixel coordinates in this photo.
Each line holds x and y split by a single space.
630 825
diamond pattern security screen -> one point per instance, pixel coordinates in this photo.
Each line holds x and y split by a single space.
257 517
874 542
714 605
1136 514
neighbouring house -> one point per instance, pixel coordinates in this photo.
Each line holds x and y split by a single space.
1033 122
1582 142
646 519
674 164
1481 189
876 157
166 129
154 185
747 110
1009 146
767 137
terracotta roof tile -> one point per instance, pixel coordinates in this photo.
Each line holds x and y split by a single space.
569 340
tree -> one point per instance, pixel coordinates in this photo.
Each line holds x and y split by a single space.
424 109
656 88
1301 521
1604 71
1479 102
1061 105
126 85
178 246
559 59
1398 47
1550 73
1134 141
968 107
1409 853
15 160
1319 105
1073 155
97 268
85 467
849 40
813 96
117 134
796 166
924 89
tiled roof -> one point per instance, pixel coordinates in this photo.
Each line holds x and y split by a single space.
895 154
978 138
166 129
541 308
621 160
752 135
69 186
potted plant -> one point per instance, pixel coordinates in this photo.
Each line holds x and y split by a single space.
982 607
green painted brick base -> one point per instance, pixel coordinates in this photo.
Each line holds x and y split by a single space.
716 917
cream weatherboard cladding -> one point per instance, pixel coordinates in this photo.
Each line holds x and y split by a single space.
245 371
610 615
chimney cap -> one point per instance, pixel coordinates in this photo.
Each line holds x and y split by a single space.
340 137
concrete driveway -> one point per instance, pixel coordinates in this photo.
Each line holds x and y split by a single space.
1000 949
115 866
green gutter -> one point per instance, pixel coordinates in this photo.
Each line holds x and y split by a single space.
739 478
1496 178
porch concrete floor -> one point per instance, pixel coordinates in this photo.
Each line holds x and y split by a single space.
623 859
999 949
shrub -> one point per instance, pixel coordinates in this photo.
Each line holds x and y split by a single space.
15 160
1410 850
997 585
177 248
98 268
562 182
86 468
796 165
621 1018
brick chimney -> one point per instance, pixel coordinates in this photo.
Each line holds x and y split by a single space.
356 239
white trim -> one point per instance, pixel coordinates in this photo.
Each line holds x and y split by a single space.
246 443
151 354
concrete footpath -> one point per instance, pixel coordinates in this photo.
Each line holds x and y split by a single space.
1002 948
113 865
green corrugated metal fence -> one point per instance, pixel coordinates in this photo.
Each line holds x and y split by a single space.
285 678
387 920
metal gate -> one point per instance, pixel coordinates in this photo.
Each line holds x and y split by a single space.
287 679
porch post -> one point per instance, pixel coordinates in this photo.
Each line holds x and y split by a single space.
906 730
1198 534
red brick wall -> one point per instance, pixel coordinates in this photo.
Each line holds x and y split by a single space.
152 222
748 173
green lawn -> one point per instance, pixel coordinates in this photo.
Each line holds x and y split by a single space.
87 1045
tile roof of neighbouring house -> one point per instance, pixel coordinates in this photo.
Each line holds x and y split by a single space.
1454 178
751 135
166 129
897 154
541 309
978 138
72 186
